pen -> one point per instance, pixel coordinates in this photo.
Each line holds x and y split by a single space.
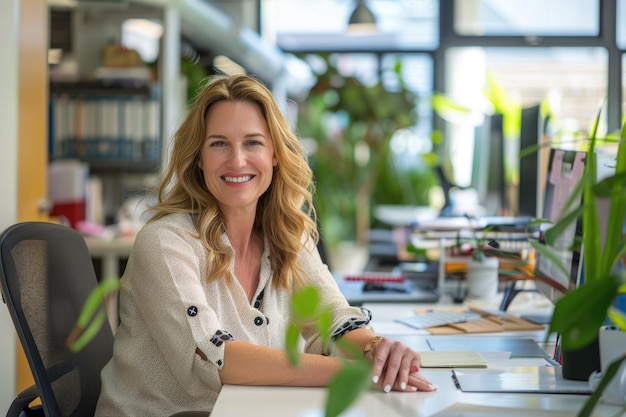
456 381
555 355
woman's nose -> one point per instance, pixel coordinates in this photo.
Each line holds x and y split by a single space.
237 157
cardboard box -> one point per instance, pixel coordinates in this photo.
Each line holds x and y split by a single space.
118 56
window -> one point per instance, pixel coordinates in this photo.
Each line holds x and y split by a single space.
537 51
527 17
321 25
621 24
572 80
143 35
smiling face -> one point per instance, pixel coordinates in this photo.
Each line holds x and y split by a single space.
237 157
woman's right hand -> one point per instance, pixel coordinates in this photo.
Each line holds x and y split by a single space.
396 367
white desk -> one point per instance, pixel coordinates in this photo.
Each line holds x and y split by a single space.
110 251
309 402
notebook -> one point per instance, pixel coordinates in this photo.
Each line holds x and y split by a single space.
520 347
519 379
450 359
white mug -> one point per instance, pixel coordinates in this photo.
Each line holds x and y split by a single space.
611 348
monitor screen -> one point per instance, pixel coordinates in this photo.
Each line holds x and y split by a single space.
532 167
565 170
488 164
606 164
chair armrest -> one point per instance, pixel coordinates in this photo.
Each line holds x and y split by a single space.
20 405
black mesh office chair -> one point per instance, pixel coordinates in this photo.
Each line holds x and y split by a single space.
47 275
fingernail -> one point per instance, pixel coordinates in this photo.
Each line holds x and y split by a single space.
413 389
416 369
433 386
403 385
387 388
375 379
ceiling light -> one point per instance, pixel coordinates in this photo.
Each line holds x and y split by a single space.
362 19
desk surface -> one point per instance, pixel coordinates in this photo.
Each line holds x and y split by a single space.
309 402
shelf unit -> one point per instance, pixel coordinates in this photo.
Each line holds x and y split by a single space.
113 126
114 123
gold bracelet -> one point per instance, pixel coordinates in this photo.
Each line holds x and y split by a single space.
371 343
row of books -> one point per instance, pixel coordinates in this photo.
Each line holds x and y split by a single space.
105 128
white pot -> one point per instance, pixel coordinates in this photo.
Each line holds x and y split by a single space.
612 343
482 279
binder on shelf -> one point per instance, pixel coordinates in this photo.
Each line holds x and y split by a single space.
152 129
90 118
131 129
105 125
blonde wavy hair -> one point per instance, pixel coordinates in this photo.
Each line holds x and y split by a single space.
285 213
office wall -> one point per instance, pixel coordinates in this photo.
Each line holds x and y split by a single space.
23 150
8 173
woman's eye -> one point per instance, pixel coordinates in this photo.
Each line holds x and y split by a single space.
217 143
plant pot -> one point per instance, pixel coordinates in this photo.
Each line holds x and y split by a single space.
579 364
612 344
482 280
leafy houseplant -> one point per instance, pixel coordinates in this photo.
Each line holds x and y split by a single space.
355 375
350 126
580 313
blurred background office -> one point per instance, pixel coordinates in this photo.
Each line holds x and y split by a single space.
409 109
391 109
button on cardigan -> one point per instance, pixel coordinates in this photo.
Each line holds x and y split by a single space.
168 309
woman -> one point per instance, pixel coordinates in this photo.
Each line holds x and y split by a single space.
205 298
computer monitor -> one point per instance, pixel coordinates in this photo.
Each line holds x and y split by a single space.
532 167
488 164
566 167
565 171
606 164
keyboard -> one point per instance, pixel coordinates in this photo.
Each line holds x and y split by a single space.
437 318
378 277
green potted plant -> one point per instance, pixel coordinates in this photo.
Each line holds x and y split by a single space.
580 313
355 375
484 266
349 126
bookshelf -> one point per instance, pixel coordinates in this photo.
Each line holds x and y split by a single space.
111 126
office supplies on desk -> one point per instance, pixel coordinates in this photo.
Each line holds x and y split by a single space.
359 289
486 321
378 277
435 318
488 324
458 359
519 379
520 347
476 410
509 223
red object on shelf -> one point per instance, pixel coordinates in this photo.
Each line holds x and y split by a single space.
67 190
73 211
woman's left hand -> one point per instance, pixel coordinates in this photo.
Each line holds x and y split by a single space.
396 367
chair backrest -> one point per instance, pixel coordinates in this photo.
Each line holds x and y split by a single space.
47 275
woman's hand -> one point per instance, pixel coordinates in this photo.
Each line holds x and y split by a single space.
396 367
